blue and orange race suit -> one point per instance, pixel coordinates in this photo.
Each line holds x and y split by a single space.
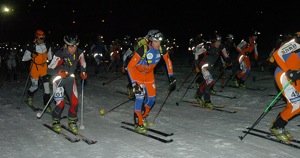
141 72
288 58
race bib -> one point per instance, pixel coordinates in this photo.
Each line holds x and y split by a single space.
59 94
207 76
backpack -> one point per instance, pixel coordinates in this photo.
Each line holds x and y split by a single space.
144 43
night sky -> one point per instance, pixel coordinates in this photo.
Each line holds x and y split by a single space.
176 19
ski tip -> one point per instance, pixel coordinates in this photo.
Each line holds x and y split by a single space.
177 103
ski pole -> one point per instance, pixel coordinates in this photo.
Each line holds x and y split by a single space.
81 118
221 73
25 88
112 79
185 80
102 112
162 105
40 114
177 103
265 111
230 77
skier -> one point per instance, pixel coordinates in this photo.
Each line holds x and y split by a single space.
211 53
99 53
39 53
11 63
141 72
230 47
245 48
114 55
287 58
64 64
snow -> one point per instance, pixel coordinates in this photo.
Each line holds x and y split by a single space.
197 132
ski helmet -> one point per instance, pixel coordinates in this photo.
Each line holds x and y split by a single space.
40 34
215 37
71 40
154 35
255 33
230 36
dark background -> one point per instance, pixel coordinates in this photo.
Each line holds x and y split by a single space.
175 19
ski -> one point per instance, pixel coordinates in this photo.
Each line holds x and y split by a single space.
262 78
151 130
248 88
85 139
71 139
269 134
216 108
225 96
194 102
256 88
272 139
149 135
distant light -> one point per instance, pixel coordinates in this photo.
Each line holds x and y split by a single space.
74 22
5 9
102 21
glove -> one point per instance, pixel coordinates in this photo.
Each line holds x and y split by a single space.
137 89
294 75
83 75
123 70
228 61
172 85
62 73
34 54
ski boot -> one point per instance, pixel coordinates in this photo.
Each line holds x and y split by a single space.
30 101
140 129
212 91
236 82
145 122
197 85
242 84
199 100
49 110
56 124
129 91
72 124
287 133
208 104
280 134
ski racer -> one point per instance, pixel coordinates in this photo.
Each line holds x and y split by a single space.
245 48
64 64
39 53
210 53
141 72
288 59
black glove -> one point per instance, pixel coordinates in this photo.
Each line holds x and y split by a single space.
294 75
172 85
34 54
137 89
228 61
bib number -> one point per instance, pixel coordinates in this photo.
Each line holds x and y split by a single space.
59 94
